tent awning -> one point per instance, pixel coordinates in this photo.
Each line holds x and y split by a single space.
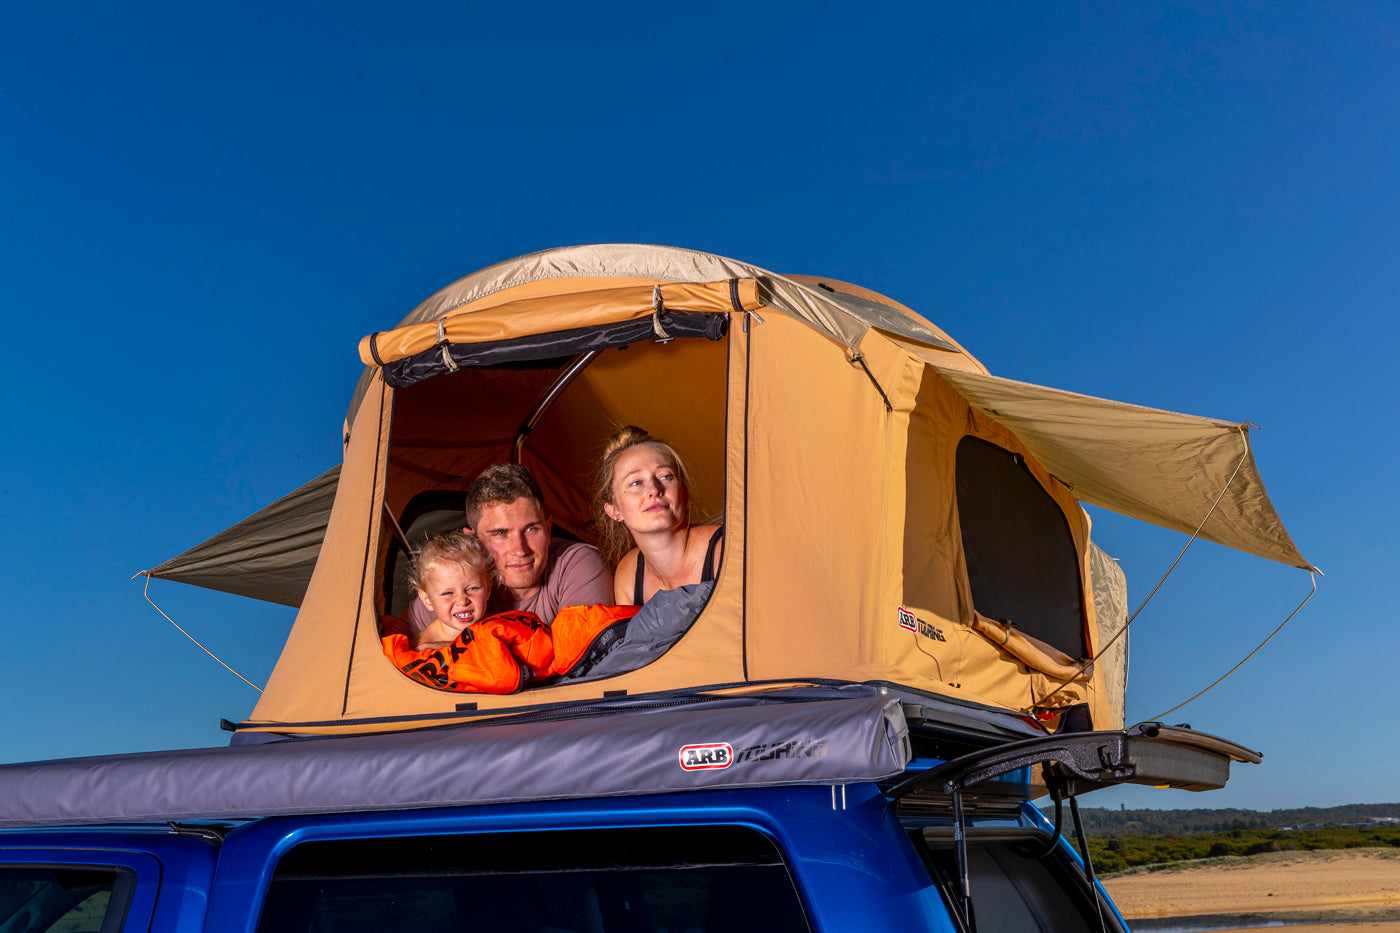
1157 466
269 555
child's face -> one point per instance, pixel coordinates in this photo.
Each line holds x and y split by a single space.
456 594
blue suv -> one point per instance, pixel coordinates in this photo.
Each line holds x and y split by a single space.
830 807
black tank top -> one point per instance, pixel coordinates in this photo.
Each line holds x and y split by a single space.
707 572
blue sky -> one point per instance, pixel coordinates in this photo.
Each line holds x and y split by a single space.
202 209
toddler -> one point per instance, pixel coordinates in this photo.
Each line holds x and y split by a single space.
453 578
462 648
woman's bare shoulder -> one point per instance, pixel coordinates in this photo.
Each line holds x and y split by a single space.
625 577
700 535
628 562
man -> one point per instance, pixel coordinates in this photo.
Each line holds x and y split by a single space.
535 572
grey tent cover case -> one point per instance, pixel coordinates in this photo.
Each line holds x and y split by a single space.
818 736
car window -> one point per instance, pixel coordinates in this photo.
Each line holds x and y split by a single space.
645 880
1014 885
63 900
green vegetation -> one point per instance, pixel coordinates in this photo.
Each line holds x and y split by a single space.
1123 839
1099 821
1118 852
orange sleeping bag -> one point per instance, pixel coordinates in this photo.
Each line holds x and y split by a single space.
500 654
583 634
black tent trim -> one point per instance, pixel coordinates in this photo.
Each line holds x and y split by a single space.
563 343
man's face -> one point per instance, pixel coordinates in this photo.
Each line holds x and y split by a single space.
517 536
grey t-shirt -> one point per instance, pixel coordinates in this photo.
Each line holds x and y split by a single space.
574 575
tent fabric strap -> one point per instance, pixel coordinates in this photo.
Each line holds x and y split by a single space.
737 303
445 346
859 358
657 308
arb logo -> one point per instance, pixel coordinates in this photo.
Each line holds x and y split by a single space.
906 620
703 757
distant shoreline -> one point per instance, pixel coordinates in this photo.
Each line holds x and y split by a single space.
1228 923
1334 926
1152 822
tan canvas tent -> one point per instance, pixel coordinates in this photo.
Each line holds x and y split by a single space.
888 504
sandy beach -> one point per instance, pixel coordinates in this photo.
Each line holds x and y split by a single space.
1358 888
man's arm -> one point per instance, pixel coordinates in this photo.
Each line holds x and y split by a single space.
413 619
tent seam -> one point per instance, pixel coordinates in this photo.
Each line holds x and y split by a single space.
744 612
364 567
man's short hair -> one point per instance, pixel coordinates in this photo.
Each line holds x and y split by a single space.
501 482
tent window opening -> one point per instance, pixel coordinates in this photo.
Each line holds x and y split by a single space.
554 418
1021 560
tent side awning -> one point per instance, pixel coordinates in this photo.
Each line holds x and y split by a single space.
269 555
1157 466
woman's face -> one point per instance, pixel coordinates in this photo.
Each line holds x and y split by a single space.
646 491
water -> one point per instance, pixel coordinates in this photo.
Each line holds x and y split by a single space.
1209 922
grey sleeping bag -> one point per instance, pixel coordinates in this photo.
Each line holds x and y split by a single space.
645 637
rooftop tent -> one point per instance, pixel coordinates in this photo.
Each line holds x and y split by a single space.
887 501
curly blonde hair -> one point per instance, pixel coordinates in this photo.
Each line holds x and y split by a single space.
455 547
614 540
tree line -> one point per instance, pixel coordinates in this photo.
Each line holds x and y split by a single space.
1116 853
1104 822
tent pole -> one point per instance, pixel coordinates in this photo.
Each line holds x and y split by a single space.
566 377
398 531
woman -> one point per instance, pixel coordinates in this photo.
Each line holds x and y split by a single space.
643 495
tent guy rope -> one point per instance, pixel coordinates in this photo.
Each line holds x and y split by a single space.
1244 457
146 592
1312 576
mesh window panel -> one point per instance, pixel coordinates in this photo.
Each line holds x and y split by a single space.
1020 554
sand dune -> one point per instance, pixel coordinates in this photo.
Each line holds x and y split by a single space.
1356 884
